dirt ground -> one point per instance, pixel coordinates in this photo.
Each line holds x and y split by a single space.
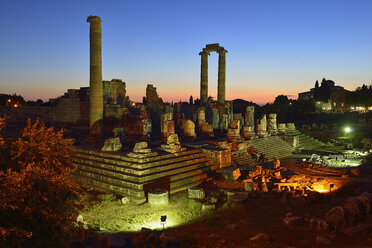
265 213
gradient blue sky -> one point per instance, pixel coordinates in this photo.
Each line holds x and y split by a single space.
274 47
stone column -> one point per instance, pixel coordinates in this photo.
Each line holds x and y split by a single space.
262 127
249 116
282 129
215 118
201 116
272 126
248 129
189 130
95 83
221 76
204 77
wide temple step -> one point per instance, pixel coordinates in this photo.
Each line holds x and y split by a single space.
135 177
272 147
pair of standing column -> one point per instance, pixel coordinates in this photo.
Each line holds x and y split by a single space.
221 76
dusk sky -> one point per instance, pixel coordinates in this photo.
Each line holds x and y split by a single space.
274 47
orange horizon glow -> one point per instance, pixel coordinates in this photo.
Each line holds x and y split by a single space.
258 99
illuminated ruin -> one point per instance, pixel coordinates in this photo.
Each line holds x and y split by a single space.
209 153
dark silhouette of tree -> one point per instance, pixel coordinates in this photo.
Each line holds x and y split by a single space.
191 100
282 104
323 92
361 96
316 84
290 110
13 99
281 101
323 83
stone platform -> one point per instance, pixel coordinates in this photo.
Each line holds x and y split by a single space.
242 158
135 176
272 147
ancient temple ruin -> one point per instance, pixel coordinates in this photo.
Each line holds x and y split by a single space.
154 144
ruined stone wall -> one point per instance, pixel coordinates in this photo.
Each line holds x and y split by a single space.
219 156
72 107
152 96
222 112
114 92
67 110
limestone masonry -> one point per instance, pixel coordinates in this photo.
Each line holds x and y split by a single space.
132 148
95 83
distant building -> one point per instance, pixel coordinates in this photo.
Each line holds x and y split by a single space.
337 99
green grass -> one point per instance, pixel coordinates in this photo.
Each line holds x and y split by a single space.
109 214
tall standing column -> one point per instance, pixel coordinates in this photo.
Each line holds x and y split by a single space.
204 77
221 76
95 83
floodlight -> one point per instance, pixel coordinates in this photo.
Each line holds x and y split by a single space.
347 129
163 220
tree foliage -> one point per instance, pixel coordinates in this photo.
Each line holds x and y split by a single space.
42 146
13 98
289 110
316 84
362 96
37 194
2 126
322 93
39 203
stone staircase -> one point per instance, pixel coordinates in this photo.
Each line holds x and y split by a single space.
134 177
242 158
307 142
272 147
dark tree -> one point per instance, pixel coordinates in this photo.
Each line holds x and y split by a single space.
323 82
361 96
191 100
323 92
281 101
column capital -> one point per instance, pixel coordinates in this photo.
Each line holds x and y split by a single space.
222 51
204 53
94 19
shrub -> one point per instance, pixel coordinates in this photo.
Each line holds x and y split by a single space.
37 195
